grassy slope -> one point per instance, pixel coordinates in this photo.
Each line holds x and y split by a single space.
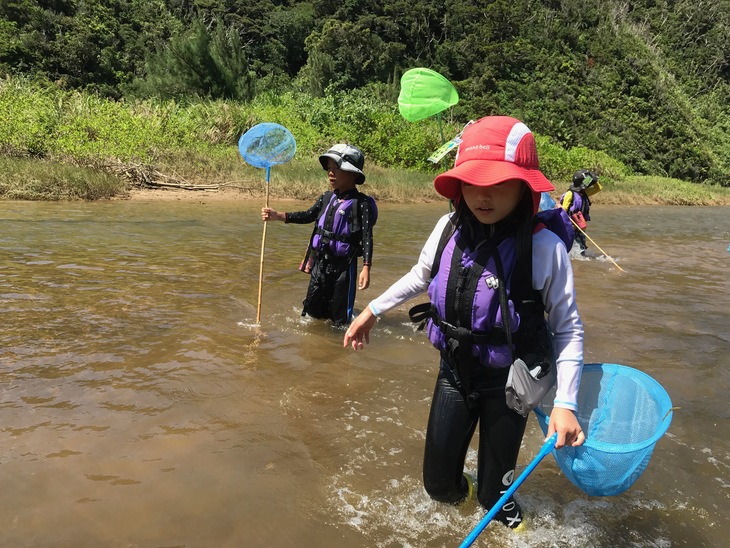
58 145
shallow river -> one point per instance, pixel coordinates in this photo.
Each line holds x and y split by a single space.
141 404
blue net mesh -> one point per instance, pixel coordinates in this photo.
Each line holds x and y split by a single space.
266 145
624 412
546 202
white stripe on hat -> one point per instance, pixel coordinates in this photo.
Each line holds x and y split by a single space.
518 131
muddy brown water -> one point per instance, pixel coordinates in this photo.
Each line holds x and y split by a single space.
142 405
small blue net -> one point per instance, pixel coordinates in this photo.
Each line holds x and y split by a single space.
623 412
546 202
266 145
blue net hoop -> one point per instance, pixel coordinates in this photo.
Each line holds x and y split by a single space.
266 145
623 412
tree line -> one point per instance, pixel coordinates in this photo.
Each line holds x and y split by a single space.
647 82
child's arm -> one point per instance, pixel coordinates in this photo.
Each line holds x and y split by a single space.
366 225
564 422
364 281
366 242
554 280
567 201
297 217
411 284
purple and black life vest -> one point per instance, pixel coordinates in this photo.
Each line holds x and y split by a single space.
579 203
338 228
465 310
465 303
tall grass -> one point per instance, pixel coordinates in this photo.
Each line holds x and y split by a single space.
46 121
305 180
29 179
83 139
648 190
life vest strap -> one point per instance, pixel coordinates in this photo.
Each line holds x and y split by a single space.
467 336
329 235
425 311
420 313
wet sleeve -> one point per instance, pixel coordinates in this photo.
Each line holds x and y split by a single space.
554 279
367 232
308 216
416 280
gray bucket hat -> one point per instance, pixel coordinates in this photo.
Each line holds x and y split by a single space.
348 158
582 179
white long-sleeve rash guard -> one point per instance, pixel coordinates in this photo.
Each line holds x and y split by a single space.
552 276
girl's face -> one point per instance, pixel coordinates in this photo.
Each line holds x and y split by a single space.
491 204
339 179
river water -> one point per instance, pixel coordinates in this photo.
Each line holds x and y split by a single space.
143 406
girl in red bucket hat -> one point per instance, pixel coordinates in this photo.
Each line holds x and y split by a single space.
492 272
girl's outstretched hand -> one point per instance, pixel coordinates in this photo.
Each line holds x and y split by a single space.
359 329
565 423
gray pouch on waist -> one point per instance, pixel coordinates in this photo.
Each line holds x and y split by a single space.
525 389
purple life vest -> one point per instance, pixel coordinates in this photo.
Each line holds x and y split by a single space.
464 293
338 227
578 204
456 281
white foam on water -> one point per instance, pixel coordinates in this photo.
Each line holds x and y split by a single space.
399 512
248 325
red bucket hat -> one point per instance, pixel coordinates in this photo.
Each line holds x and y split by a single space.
494 149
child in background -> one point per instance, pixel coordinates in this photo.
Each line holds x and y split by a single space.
577 204
344 219
491 239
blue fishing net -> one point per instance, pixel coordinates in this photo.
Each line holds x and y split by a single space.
266 145
546 202
624 412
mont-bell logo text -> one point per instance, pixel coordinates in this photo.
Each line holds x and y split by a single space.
478 147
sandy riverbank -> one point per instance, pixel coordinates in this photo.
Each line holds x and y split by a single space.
217 195
173 194
232 194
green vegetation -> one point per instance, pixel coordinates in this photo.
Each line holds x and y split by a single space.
195 143
645 190
86 129
27 179
167 86
57 144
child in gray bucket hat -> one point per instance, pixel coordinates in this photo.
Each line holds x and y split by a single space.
347 158
343 231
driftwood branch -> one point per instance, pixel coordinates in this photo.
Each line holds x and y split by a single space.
144 175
